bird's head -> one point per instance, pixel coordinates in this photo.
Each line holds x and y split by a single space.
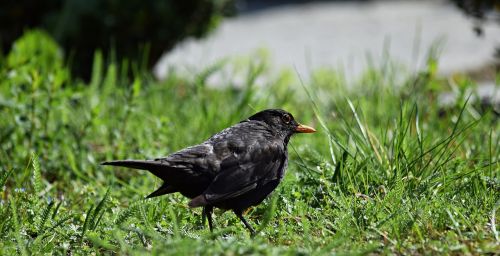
282 122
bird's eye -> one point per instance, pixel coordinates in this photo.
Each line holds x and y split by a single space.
286 118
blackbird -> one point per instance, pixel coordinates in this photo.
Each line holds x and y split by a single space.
233 170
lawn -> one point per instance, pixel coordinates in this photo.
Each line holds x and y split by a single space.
390 170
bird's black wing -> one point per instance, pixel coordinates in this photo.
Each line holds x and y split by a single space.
256 158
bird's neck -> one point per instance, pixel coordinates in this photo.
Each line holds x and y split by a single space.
286 139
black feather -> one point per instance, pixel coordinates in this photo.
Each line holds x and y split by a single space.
135 164
164 189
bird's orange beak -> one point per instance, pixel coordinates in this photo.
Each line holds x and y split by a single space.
304 129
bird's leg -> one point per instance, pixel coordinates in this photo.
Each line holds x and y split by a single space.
203 216
247 225
207 213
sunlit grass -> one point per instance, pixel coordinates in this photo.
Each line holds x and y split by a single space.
390 170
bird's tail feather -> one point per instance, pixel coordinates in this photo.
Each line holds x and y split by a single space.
190 183
164 189
155 167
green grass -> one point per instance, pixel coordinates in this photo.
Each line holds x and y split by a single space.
389 171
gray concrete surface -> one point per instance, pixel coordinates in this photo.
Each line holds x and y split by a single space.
339 35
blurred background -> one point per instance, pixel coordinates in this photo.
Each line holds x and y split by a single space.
351 35
302 34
